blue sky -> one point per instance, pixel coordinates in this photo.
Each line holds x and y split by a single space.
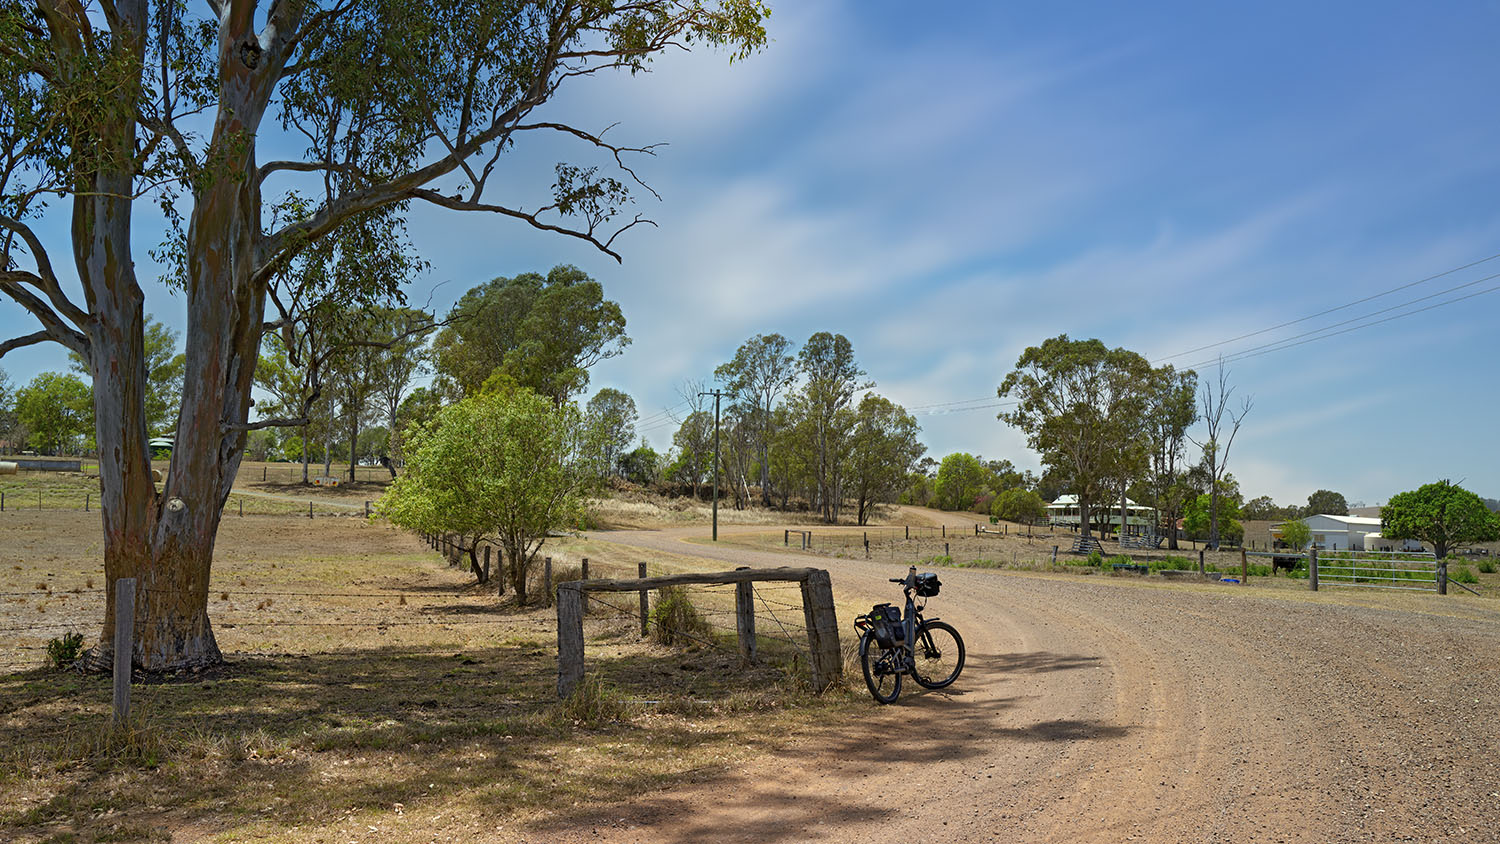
947 189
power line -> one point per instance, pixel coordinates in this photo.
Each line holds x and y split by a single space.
1243 353
1346 306
1367 325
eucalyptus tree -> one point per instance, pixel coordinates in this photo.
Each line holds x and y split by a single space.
1171 409
883 451
1080 405
762 369
612 412
400 104
833 377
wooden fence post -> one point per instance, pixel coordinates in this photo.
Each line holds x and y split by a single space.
1054 555
124 647
1245 567
309 509
786 537
547 577
945 531
867 545
569 638
645 601
1200 561
1312 569
822 630
908 531
1442 576
744 618
367 509
585 568
86 497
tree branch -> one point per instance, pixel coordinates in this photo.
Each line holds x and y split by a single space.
11 282
20 342
458 204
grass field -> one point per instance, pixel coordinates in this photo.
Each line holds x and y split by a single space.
369 688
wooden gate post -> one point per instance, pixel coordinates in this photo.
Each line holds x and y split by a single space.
1200 561
822 630
124 647
547 577
744 618
645 601
1312 569
569 638
1245 567
1442 576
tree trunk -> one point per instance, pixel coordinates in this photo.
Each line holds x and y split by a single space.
353 448
306 448
474 562
1084 527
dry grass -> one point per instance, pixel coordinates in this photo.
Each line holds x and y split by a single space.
426 709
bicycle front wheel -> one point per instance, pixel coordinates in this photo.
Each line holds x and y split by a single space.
879 664
939 655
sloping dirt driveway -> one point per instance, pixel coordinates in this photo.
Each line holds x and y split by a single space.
1103 709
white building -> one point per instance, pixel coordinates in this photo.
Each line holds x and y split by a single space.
1064 513
1350 533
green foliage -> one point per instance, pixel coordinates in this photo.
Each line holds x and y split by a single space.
1462 574
1296 534
937 560
960 482
1486 567
1019 505
58 410
541 333
612 414
1096 558
512 466
641 466
1120 560
675 620
1083 408
1441 514
1195 518
1327 502
883 448
66 650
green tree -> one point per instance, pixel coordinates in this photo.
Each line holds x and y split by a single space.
1198 521
1443 515
1262 508
1019 505
883 451
694 442
1081 406
960 481
1171 410
762 369
1328 503
612 413
1296 534
57 409
10 425
832 378
539 332
642 465
168 105
512 467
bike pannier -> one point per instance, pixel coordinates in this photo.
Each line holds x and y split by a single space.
885 621
927 585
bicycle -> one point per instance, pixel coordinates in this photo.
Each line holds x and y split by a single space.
884 633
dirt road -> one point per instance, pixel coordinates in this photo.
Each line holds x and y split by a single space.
1102 709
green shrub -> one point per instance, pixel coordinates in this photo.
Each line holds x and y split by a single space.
65 651
1462 574
1258 570
1120 560
1486 567
1095 558
937 560
674 619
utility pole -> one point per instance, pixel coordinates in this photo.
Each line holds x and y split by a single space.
716 394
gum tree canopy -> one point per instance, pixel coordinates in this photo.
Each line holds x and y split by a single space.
392 103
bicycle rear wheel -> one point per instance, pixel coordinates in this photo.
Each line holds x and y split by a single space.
879 665
939 655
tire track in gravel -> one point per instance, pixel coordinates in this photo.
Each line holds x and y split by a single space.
1103 710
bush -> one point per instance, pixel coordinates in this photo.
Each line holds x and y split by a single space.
937 560
1486 567
593 702
1121 560
65 651
1462 574
562 574
1095 558
675 619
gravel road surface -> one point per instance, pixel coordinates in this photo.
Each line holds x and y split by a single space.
1113 709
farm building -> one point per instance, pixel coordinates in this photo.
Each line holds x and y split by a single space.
1350 533
1064 513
